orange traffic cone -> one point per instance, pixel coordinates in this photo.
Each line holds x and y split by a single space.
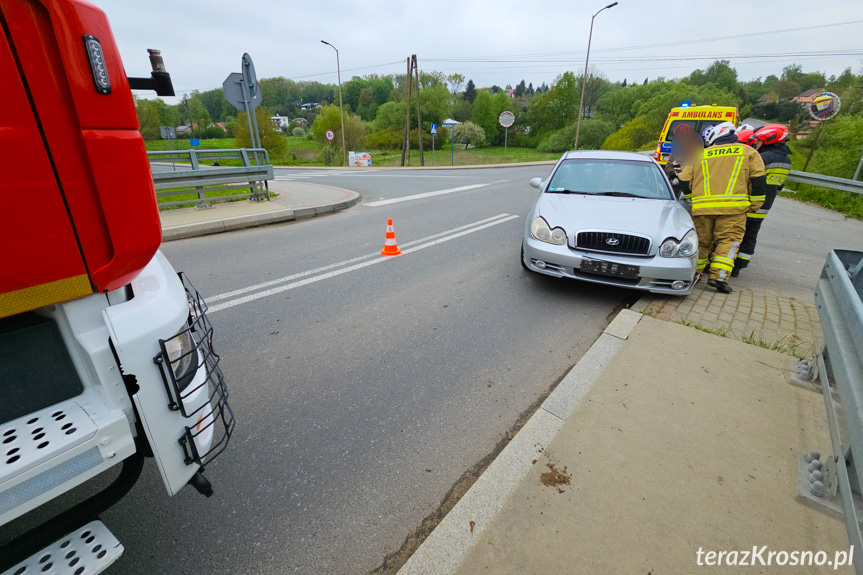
391 248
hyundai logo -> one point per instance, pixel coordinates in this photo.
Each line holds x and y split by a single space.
612 241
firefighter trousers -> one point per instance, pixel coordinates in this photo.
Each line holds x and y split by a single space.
753 226
719 239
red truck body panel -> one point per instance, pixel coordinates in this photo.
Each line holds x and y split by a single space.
77 161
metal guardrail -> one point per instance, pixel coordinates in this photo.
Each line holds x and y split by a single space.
203 180
823 181
840 310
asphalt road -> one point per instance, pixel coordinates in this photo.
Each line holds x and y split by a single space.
363 391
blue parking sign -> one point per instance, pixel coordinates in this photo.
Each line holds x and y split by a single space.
434 129
195 141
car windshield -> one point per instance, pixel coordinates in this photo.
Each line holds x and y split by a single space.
623 178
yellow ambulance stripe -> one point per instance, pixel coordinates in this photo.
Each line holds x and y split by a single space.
34 297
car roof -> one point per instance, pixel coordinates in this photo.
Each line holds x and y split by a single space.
607 155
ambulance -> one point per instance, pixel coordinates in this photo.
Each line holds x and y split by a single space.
687 117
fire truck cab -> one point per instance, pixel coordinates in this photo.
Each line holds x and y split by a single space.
105 351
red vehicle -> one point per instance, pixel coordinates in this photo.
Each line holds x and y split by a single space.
105 351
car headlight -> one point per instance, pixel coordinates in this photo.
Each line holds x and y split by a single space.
687 247
183 357
540 230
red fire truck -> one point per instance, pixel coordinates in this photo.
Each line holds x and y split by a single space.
106 352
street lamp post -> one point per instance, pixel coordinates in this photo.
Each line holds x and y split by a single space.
584 78
341 109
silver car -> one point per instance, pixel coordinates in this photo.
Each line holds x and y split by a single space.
611 218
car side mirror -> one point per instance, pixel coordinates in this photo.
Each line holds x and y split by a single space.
535 183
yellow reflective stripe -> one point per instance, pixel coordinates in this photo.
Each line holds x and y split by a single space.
34 297
743 257
775 179
733 180
721 198
756 199
722 263
706 177
756 216
743 204
785 171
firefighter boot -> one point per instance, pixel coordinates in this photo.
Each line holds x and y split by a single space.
720 286
728 232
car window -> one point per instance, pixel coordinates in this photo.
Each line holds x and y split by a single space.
696 126
641 179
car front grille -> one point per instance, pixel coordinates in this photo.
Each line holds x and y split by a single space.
614 243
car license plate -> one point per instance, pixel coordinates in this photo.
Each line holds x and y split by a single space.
610 269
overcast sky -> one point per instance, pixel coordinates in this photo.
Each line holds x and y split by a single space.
202 42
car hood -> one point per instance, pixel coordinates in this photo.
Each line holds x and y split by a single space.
658 219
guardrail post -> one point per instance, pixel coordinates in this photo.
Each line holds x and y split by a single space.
245 156
202 195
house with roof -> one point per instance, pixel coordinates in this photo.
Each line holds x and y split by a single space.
807 96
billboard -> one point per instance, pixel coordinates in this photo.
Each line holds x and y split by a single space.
360 159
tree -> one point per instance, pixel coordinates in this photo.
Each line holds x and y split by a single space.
719 73
355 129
597 85
519 89
530 88
483 114
148 119
470 91
271 138
456 81
390 116
495 89
199 117
468 134
593 133
436 104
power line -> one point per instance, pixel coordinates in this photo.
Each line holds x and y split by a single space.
660 45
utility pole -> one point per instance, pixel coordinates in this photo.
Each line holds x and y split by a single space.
584 78
406 142
341 108
419 114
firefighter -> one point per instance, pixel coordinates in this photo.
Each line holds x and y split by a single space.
770 141
727 183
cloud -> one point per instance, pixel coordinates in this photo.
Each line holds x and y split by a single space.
202 42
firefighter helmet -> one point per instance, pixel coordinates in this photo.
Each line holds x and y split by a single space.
713 133
746 136
772 134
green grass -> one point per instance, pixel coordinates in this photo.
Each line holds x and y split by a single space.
845 203
303 152
780 346
720 331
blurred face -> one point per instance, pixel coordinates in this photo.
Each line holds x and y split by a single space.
758 143
687 147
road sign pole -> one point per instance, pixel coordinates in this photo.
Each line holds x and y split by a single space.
452 147
505 141
858 169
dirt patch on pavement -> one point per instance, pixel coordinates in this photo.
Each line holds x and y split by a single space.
555 477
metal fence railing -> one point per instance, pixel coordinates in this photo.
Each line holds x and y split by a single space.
840 310
182 172
823 181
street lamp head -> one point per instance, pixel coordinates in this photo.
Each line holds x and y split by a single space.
612 5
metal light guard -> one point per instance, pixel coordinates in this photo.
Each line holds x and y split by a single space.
201 331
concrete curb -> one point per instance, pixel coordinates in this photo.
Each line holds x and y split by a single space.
253 220
451 541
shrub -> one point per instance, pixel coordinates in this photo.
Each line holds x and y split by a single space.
298 132
632 136
329 119
593 133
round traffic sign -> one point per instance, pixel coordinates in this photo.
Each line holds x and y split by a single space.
330 135
506 119
825 106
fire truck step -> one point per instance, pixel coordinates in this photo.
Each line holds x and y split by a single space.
86 551
40 436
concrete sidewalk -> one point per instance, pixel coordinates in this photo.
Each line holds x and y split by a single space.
632 465
295 201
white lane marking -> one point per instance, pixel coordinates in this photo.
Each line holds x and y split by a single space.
284 279
378 259
423 195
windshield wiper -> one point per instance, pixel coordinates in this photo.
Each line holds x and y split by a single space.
619 194
559 191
